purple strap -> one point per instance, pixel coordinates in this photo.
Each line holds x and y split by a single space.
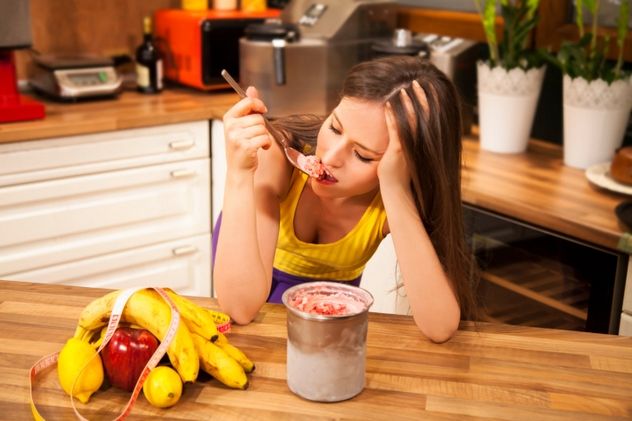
280 280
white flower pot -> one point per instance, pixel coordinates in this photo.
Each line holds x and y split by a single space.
595 117
507 101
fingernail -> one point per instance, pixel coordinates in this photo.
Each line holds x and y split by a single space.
416 83
402 91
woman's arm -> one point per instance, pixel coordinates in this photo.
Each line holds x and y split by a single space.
256 174
432 299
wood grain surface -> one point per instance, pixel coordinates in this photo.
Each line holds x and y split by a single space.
536 187
130 110
484 372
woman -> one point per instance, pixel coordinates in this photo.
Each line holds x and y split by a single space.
393 147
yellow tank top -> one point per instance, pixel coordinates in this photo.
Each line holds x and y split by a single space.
342 260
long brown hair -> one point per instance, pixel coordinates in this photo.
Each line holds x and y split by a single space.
432 145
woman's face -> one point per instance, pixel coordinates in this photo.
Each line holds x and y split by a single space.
351 142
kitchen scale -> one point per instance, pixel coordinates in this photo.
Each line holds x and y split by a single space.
75 77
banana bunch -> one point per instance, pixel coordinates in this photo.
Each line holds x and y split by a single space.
197 342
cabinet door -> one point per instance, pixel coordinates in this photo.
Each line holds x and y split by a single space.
48 159
625 327
69 219
380 279
183 265
218 178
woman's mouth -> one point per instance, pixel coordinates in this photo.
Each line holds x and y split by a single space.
325 176
313 166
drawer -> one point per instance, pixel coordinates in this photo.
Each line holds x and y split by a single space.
27 162
65 220
625 327
183 265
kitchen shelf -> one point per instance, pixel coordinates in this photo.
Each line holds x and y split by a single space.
535 290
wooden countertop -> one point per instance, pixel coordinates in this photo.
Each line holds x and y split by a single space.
130 110
534 187
495 371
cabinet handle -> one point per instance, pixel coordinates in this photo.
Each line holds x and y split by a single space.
184 250
181 145
183 173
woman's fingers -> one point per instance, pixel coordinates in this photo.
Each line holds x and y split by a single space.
391 127
245 107
252 92
410 109
421 97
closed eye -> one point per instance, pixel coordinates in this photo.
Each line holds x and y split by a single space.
362 158
357 155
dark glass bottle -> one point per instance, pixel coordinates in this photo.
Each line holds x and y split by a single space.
148 62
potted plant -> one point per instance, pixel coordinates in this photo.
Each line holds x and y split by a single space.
597 93
509 83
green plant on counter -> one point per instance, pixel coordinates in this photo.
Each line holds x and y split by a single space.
519 20
586 58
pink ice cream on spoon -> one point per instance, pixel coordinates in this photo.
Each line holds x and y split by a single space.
312 165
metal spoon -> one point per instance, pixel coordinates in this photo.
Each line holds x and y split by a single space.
309 164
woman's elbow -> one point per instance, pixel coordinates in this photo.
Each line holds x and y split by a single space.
241 318
439 332
238 313
440 336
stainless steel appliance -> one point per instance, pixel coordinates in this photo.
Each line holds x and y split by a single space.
298 63
74 77
456 57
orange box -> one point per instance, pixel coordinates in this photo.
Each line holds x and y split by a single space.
198 44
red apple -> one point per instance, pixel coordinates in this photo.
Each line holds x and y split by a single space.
125 356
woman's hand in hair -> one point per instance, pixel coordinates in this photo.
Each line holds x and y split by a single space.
393 167
245 132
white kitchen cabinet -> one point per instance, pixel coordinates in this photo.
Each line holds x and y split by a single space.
625 327
218 171
109 209
179 264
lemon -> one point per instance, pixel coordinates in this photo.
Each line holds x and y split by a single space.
163 387
73 357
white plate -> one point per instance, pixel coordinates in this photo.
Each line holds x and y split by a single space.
599 174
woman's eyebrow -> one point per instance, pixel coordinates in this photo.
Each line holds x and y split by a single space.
333 113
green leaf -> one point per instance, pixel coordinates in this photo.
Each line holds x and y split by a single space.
579 16
592 5
622 32
532 5
622 22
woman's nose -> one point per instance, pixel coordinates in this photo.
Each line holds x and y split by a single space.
333 156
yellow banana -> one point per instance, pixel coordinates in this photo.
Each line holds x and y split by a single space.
236 353
97 337
95 315
219 364
197 320
147 309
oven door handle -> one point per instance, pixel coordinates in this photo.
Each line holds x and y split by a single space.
278 51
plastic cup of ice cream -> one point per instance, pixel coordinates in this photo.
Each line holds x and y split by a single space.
326 340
